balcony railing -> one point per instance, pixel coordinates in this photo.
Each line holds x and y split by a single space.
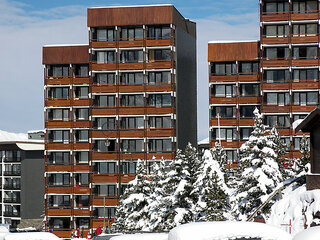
12 173
11 214
12 200
12 187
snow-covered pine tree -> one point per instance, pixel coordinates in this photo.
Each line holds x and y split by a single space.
260 174
178 201
130 215
280 150
304 161
220 155
211 190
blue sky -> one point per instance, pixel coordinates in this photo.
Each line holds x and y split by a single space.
27 25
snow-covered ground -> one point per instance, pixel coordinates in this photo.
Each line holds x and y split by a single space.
142 236
8 136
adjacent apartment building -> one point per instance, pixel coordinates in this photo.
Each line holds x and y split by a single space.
22 182
278 74
129 94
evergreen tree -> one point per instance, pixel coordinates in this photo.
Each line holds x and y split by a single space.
303 162
211 190
130 215
260 174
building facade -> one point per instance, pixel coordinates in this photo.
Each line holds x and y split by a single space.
22 170
129 94
284 83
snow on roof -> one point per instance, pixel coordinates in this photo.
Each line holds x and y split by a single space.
308 234
227 230
142 236
31 146
31 236
7 136
65 45
204 141
232 41
296 123
36 131
151 5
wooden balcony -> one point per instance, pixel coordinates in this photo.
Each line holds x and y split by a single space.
106 67
274 63
103 44
270 85
160 65
224 122
81 189
285 131
67 81
160 133
305 62
275 109
104 156
110 201
314 15
131 110
99 178
246 121
248 77
159 42
275 39
81 212
58 211
99 221
284 16
58 146
81 167
249 99
133 65
160 88
129 44
59 168
159 110
104 89
305 85
232 143
306 109
59 189
58 103
131 88
103 111
164 155
223 78
81 145
304 39
223 100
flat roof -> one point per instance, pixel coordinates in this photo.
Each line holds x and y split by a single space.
151 5
233 41
65 45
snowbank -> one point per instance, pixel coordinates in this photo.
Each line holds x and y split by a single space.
142 236
227 230
298 205
8 137
31 236
308 234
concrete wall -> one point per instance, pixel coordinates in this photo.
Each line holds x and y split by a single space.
32 185
186 82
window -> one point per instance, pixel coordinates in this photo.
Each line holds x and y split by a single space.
131 100
58 93
297 142
224 90
132 145
81 70
277 99
286 142
104 78
245 132
81 92
59 157
59 179
129 168
82 222
276 53
159 100
305 52
131 33
12 169
155 55
10 156
305 29
159 145
232 155
249 67
224 133
223 68
249 90
105 101
305 6
305 74
81 113
63 222
59 201
159 32
277 120
103 57
247 111
159 122
12 183
159 77
59 114
106 190
81 135
151 166
276 30
131 78
108 212
299 116
276 75
226 112
303 98
105 145
13 197
132 122
131 56
82 200
103 34
58 71
59 135
105 167
81 157
81 178
276 7
105 123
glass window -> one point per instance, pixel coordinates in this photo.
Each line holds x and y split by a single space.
159 100
81 178
224 90
305 52
227 112
105 123
81 70
131 56
105 101
247 111
59 179
132 145
81 157
104 78
105 57
305 74
158 32
276 7
131 33
58 71
81 92
132 100
302 98
81 113
103 34
105 167
132 122
277 99
305 6
249 90
303 29
225 133
129 168
298 116
131 78
277 120
159 77
59 114
81 135
276 30
159 145
59 157
155 55
58 93
249 67
159 122
223 68
276 53
276 75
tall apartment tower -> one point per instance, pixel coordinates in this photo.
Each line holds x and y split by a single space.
129 94
287 86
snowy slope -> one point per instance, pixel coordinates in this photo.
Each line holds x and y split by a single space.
298 205
7 136
142 236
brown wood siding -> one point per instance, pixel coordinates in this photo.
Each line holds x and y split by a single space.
65 54
239 51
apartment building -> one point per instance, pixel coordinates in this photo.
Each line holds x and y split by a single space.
285 69
22 183
129 94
